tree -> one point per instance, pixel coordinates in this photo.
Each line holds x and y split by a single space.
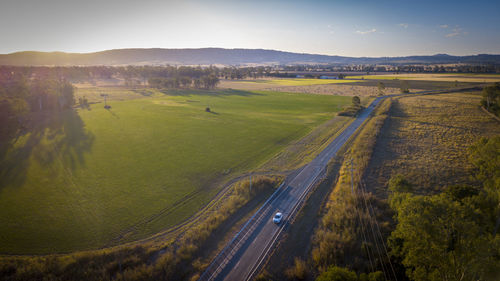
405 88
197 83
185 81
381 88
66 93
209 81
335 273
485 156
298 271
398 183
356 101
444 236
491 98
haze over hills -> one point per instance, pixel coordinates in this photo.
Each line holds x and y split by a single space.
219 56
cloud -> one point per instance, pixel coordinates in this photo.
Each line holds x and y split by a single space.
444 26
330 29
366 32
404 25
456 32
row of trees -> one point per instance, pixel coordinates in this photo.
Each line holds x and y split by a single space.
204 82
141 74
131 74
397 68
20 96
491 98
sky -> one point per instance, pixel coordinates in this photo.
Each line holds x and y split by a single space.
336 27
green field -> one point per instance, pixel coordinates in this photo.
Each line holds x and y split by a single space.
80 177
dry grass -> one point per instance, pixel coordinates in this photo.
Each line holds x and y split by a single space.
444 77
338 90
339 239
427 138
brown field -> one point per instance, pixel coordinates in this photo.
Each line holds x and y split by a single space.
339 90
426 138
347 89
363 88
442 77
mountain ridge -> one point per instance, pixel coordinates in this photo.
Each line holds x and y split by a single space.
219 56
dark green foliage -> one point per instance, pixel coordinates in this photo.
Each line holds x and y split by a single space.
405 87
451 235
20 96
204 82
356 101
441 239
460 192
84 103
335 273
485 156
381 88
353 109
491 98
398 183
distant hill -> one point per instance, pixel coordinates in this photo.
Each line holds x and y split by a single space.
218 56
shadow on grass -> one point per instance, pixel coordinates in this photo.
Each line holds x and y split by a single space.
45 138
144 92
221 93
112 113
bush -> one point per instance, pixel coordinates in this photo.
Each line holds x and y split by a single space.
335 273
298 271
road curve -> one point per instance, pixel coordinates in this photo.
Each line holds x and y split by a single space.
242 256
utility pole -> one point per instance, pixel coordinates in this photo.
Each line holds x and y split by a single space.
352 182
105 97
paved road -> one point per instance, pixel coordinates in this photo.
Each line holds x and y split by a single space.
243 255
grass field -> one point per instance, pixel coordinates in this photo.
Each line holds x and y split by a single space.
79 178
426 138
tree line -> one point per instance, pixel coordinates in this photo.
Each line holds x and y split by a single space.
139 75
491 98
207 82
20 96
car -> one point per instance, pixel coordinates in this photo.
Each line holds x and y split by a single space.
277 218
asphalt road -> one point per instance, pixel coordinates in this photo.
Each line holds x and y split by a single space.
244 254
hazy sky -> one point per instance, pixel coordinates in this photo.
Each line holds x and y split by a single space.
347 28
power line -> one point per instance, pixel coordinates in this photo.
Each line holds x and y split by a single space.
363 190
370 221
368 250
